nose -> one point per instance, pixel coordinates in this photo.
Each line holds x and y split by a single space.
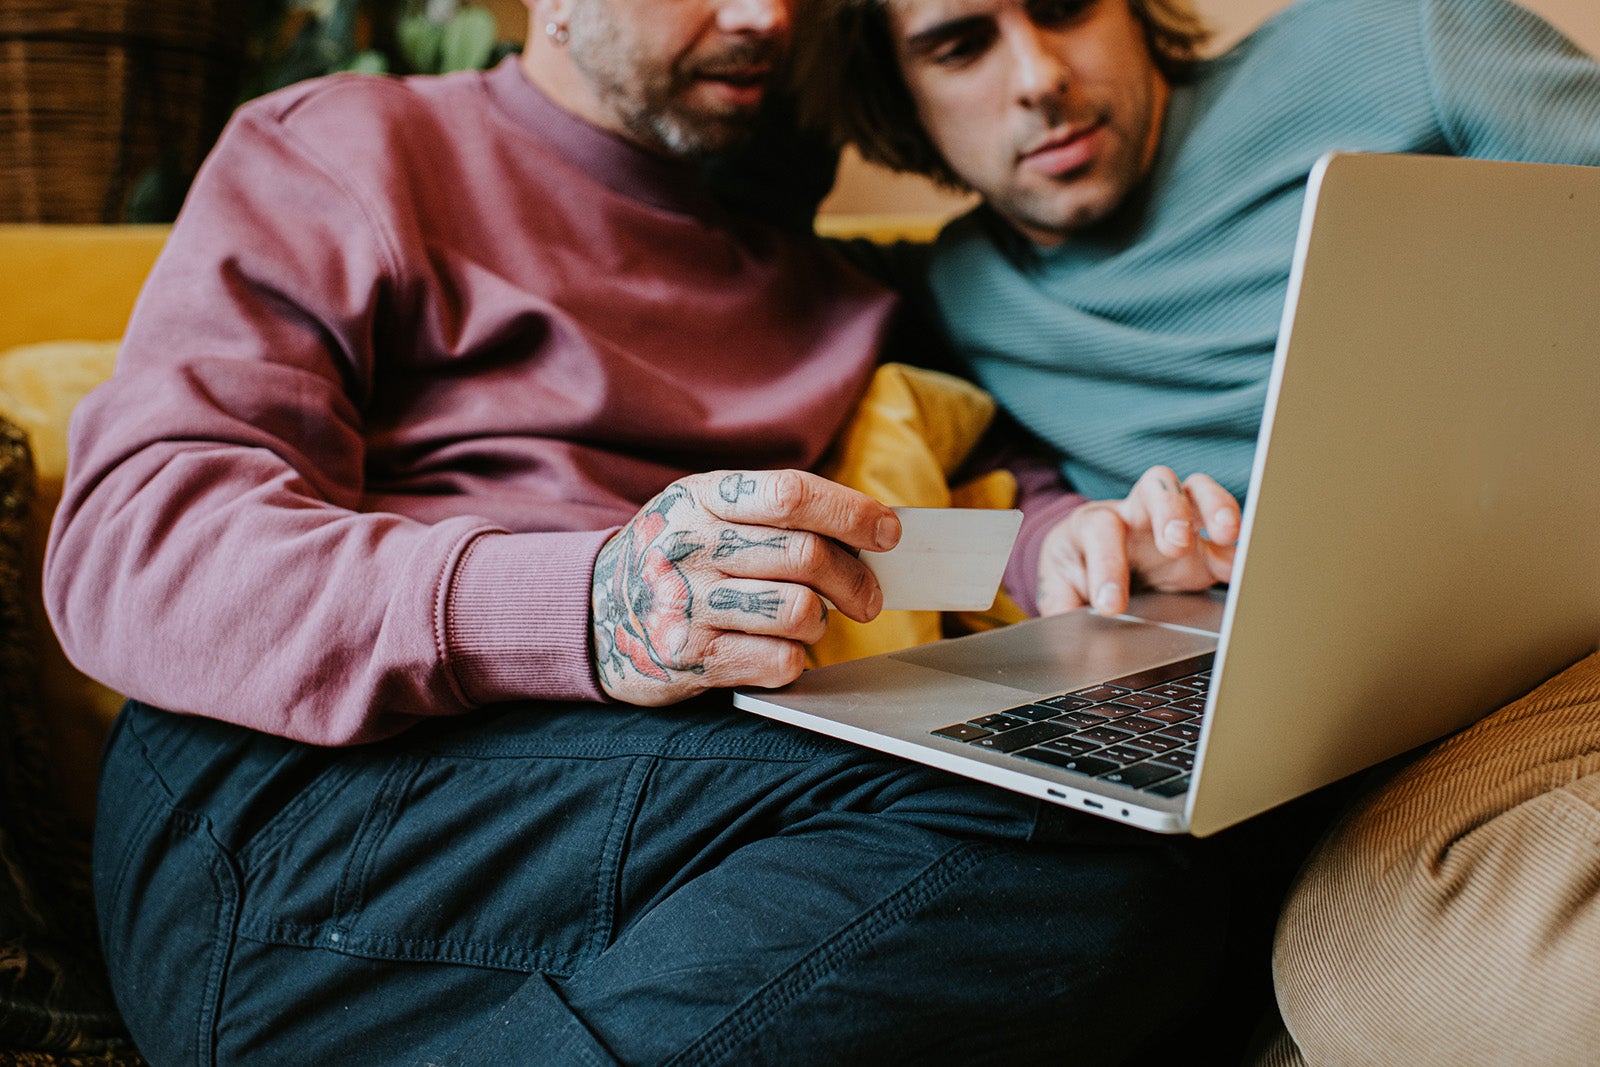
1039 75
760 17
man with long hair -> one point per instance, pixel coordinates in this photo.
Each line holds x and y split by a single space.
1120 289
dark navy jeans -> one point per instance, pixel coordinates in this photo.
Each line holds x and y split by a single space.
591 884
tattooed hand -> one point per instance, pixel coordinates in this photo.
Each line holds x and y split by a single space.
1171 536
719 581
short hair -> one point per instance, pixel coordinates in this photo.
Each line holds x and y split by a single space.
850 83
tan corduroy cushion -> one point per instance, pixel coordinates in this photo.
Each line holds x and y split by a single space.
1453 917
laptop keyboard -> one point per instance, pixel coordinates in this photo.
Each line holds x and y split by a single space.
1139 730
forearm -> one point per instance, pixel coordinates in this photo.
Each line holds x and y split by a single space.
213 577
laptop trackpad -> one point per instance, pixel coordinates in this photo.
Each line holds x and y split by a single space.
1059 653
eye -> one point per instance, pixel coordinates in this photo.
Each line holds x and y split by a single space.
959 50
1051 13
954 44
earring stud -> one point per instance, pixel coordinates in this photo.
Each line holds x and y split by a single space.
557 32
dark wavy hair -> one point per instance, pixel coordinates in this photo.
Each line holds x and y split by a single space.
849 81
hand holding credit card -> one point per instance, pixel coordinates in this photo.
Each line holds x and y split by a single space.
948 559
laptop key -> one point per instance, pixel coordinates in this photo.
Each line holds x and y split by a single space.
1139 724
961 731
1174 691
1168 714
1144 701
1140 775
999 721
1079 719
1099 692
1104 734
1186 731
1126 753
1032 712
1023 737
1172 787
1071 746
1065 703
1194 704
1089 765
1114 709
1157 742
1181 759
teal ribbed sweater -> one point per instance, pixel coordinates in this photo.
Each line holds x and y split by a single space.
1150 340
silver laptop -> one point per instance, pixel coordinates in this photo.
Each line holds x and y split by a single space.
1421 537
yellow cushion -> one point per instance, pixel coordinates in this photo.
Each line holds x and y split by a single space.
911 431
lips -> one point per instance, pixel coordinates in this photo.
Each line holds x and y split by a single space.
753 74
740 88
1063 151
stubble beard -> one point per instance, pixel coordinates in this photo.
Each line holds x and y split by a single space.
649 100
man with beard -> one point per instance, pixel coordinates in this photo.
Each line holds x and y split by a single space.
344 526
1120 292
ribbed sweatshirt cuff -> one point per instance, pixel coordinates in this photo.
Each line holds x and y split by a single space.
516 624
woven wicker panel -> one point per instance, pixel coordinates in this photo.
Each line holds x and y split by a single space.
53 994
93 92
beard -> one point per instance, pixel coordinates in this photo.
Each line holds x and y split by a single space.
653 100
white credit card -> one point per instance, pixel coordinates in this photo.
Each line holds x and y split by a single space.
948 559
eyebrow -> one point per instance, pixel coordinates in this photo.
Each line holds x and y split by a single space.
926 40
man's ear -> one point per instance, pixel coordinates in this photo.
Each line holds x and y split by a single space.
547 25
545 13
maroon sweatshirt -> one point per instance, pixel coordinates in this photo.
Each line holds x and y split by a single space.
414 349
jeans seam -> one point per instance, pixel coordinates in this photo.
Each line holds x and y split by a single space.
630 798
739 1025
349 894
224 881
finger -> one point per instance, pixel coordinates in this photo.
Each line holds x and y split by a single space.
1102 538
1158 503
802 558
797 500
1219 562
1060 580
769 608
735 658
1218 510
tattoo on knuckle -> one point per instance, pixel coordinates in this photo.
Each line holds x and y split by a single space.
735 486
765 602
731 543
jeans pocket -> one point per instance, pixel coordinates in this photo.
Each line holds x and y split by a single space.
499 862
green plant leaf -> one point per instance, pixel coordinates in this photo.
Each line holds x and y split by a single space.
368 62
421 42
468 40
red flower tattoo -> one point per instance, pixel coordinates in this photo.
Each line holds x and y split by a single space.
651 602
